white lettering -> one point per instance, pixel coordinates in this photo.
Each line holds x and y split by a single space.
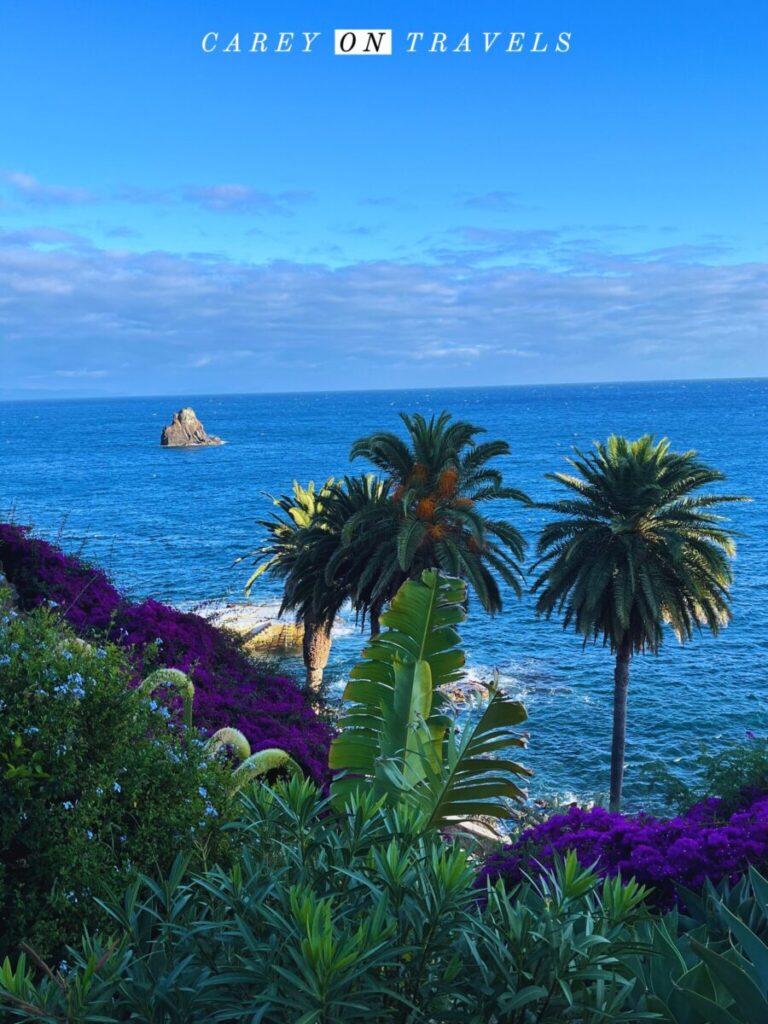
209 37
310 38
285 42
563 42
439 41
516 40
259 42
234 44
463 46
488 41
537 40
413 38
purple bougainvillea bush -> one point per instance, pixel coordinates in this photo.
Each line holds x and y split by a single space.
660 853
229 689
43 574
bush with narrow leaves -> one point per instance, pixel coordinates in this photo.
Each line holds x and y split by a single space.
355 916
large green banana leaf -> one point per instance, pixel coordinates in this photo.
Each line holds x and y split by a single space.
474 777
395 736
394 707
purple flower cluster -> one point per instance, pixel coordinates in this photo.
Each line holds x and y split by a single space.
229 690
41 574
660 853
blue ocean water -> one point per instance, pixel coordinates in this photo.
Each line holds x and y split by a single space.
170 523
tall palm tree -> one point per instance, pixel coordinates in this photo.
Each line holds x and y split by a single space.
634 549
303 537
438 478
283 553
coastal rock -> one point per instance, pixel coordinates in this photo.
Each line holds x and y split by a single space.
186 431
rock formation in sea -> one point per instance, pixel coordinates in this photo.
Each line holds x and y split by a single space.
186 431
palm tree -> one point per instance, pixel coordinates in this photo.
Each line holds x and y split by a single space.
303 538
438 478
350 568
634 549
284 554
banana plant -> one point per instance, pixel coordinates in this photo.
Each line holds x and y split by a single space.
396 737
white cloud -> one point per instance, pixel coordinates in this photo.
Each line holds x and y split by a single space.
157 319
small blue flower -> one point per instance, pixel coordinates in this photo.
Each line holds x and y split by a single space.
75 679
67 805
203 792
211 810
117 787
5 659
100 652
99 791
165 712
67 655
153 705
88 834
13 647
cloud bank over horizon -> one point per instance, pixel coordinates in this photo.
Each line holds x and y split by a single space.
477 306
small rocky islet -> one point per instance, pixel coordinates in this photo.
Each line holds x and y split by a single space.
186 431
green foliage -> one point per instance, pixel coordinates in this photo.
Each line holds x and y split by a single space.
730 773
634 547
96 785
171 677
396 737
711 965
283 529
346 917
338 560
440 477
305 547
264 762
229 739
270 761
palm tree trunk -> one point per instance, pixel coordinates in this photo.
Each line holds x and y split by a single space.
374 620
620 688
316 648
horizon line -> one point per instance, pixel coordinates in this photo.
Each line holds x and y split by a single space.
376 391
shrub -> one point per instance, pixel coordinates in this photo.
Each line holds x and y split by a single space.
271 711
42 574
347 916
97 784
230 690
736 775
663 854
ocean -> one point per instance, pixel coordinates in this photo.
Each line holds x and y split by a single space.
170 524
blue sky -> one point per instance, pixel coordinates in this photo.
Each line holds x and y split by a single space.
173 222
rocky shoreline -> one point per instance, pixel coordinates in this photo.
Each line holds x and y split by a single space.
258 630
